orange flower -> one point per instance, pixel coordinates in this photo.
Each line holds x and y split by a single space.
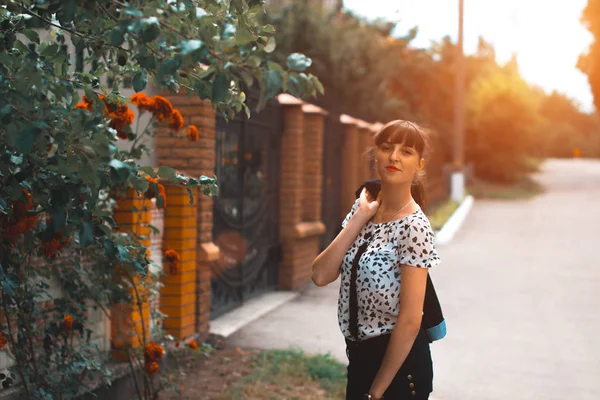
192 344
172 258
121 117
142 102
67 323
3 341
30 222
55 245
20 208
181 388
193 133
150 193
162 108
152 367
177 343
153 352
86 104
51 248
176 120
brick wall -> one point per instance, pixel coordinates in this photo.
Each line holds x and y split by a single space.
300 223
130 323
195 159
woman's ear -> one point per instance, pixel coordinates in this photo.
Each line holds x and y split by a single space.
422 163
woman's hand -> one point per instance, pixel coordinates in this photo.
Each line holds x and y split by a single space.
367 204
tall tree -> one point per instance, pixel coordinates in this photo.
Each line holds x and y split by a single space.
589 63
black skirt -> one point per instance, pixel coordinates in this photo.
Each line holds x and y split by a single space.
414 379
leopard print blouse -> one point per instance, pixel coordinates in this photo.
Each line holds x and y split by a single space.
409 241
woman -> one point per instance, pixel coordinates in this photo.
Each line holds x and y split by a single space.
383 254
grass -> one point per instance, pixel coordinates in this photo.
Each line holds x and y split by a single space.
438 215
290 374
522 189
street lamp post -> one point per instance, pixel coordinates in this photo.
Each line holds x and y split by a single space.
458 176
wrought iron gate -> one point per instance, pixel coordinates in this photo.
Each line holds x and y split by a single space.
332 176
246 212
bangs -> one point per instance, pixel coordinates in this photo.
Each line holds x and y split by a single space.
402 132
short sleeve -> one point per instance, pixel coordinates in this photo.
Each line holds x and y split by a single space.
418 244
351 213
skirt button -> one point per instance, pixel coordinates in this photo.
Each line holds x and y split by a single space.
413 393
411 385
409 377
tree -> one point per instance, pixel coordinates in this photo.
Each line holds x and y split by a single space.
503 124
61 167
352 57
589 63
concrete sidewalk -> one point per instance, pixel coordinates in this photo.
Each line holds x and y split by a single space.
519 287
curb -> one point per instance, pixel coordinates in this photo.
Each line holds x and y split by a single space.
229 323
445 235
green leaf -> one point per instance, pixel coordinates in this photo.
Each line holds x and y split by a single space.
139 81
6 110
24 140
119 170
191 194
298 62
294 87
202 90
160 202
270 46
220 87
32 35
318 85
267 29
147 61
69 8
59 219
148 171
21 47
248 78
86 234
150 32
168 68
253 61
117 36
244 36
274 83
168 173
189 46
50 51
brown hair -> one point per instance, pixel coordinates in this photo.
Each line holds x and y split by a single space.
412 135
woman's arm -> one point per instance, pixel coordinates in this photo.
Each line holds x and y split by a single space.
412 296
326 267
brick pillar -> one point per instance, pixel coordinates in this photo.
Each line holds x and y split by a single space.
178 295
350 164
374 129
366 142
132 213
292 147
314 122
195 159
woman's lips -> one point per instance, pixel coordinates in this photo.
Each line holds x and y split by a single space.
392 169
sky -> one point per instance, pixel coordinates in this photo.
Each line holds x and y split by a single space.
546 35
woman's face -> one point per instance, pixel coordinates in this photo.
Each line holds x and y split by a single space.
397 163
